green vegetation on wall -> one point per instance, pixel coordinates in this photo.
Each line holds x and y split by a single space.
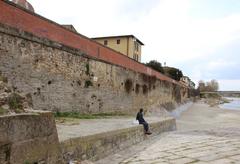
15 101
154 64
173 73
88 83
128 85
86 116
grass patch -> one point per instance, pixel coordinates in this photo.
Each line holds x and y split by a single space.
2 111
86 116
3 79
15 101
214 95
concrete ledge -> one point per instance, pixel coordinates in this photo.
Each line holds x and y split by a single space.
29 138
100 145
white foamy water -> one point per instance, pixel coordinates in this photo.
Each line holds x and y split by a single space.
234 104
176 113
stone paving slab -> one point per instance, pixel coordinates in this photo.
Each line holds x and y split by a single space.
190 153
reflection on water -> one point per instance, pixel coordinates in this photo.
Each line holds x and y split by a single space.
234 104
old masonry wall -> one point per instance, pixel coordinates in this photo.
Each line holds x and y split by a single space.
60 78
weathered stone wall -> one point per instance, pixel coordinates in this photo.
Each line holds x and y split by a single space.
103 144
29 138
60 78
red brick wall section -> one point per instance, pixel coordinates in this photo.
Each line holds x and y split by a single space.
39 26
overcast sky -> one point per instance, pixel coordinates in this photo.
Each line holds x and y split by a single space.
200 37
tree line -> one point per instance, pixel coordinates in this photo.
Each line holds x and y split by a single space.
171 72
209 86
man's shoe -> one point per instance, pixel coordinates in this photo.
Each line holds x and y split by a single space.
148 133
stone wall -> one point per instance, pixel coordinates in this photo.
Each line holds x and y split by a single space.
29 138
60 78
17 17
98 146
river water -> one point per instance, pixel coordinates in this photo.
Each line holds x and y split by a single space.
233 105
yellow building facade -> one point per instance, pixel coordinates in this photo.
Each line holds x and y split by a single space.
128 45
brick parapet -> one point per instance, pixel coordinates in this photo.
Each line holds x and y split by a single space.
17 17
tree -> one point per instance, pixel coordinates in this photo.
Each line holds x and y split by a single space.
209 86
173 73
214 85
154 64
201 86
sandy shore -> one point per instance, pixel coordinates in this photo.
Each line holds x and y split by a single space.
201 116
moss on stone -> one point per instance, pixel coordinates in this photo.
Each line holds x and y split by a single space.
86 116
15 101
88 83
3 79
2 111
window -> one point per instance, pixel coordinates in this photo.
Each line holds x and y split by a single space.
105 42
118 41
136 45
135 57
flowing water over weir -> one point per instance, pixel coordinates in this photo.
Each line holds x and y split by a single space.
177 112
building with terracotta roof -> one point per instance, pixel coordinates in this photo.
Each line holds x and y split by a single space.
128 45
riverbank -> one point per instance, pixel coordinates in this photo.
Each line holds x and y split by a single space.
202 116
234 104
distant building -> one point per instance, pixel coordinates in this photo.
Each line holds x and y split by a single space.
128 45
25 4
192 84
69 27
187 81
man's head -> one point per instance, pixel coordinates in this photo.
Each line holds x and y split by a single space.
141 110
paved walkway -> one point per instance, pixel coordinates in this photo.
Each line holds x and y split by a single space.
205 135
79 128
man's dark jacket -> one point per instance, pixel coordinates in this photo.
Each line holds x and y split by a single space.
140 117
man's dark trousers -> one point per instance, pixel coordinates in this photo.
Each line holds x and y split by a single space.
145 125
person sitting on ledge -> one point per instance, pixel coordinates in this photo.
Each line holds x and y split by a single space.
142 121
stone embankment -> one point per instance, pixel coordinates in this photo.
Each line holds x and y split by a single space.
106 138
205 135
29 136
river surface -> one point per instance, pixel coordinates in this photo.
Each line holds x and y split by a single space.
234 104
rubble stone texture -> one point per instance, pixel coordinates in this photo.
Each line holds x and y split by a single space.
59 78
12 102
